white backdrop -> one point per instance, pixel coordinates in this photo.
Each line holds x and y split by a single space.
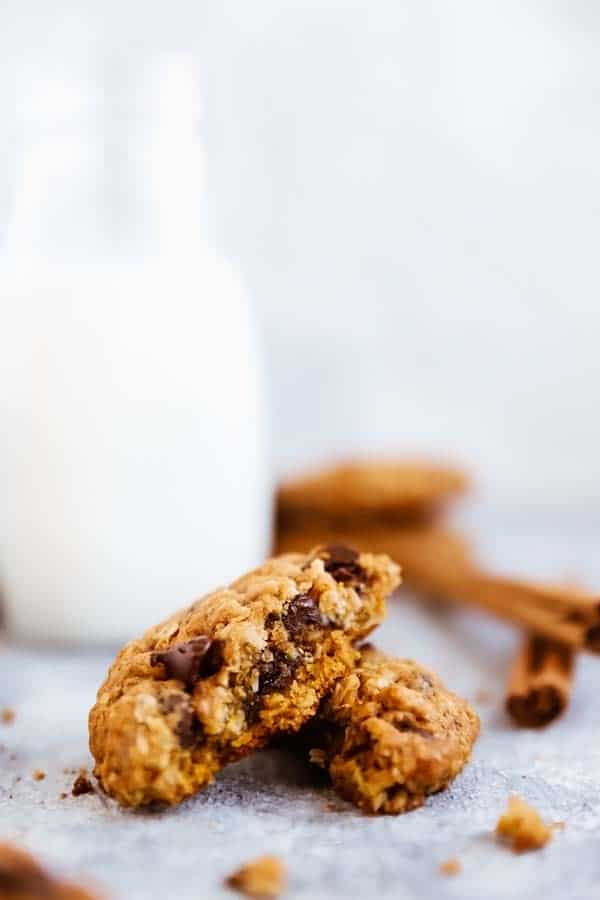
412 192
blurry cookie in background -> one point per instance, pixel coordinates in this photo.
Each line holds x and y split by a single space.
385 489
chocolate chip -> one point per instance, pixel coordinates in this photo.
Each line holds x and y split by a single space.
187 727
170 703
340 555
342 562
189 662
406 726
251 708
302 611
273 675
277 673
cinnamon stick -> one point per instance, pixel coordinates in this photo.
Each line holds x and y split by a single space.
439 563
540 681
564 614
525 604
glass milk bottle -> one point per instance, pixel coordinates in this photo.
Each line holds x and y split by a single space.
132 464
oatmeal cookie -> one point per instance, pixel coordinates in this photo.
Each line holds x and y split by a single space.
22 878
377 489
245 663
389 734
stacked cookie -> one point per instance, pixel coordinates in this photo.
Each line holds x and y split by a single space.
274 654
390 507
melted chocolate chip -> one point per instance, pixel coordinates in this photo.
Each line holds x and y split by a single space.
340 555
342 563
187 727
277 673
170 703
273 675
406 726
302 611
251 708
189 662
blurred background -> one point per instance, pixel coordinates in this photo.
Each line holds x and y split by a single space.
411 194
239 239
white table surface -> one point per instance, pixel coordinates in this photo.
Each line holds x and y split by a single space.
273 804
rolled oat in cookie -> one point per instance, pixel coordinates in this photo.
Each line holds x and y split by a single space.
389 734
220 679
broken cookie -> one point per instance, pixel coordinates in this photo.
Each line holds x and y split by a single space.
389 734
240 666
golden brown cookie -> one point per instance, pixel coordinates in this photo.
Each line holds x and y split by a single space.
380 489
22 878
390 733
245 663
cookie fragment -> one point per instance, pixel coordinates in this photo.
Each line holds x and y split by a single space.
82 785
450 867
522 827
389 734
262 877
22 878
240 666
364 490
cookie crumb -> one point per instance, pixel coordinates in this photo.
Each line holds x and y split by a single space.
39 775
82 785
7 716
262 877
450 867
63 795
522 827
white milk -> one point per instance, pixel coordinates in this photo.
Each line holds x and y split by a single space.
132 460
